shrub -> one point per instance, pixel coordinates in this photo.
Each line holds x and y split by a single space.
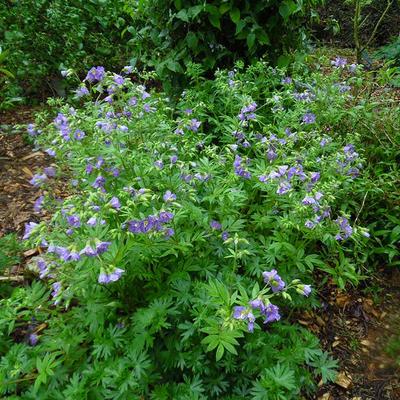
43 37
168 35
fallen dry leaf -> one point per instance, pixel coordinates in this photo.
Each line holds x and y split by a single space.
343 380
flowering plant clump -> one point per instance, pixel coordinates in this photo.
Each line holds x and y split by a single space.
175 214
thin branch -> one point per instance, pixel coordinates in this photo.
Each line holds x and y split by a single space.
18 278
362 206
389 4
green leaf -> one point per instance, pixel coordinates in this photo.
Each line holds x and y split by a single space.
235 15
174 66
287 8
215 21
251 38
223 8
263 37
183 15
220 352
239 26
178 4
283 60
192 40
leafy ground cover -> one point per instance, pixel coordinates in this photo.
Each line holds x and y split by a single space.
196 234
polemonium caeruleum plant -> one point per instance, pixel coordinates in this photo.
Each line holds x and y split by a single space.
175 217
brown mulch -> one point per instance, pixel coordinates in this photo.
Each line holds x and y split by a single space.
356 329
19 161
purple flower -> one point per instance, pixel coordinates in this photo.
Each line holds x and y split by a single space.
92 221
306 290
257 304
147 108
38 204
271 313
159 164
50 172
173 159
287 80
353 68
43 268
38 179
115 203
274 280
119 80
169 196
242 313
102 247
309 118
81 91
315 176
33 339
339 62
29 227
309 224
79 135
113 276
50 152
283 188
31 130
132 101
128 69
74 221
194 125
56 289
165 216
95 74
225 235
88 251
345 229
238 168
99 182
169 232
145 95
215 225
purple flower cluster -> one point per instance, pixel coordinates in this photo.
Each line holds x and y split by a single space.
169 196
61 123
307 96
38 179
309 118
274 280
95 74
81 91
215 225
32 131
345 229
284 175
247 112
346 163
320 213
193 125
113 276
29 227
151 223
339 62
63 253
269 311
239 169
